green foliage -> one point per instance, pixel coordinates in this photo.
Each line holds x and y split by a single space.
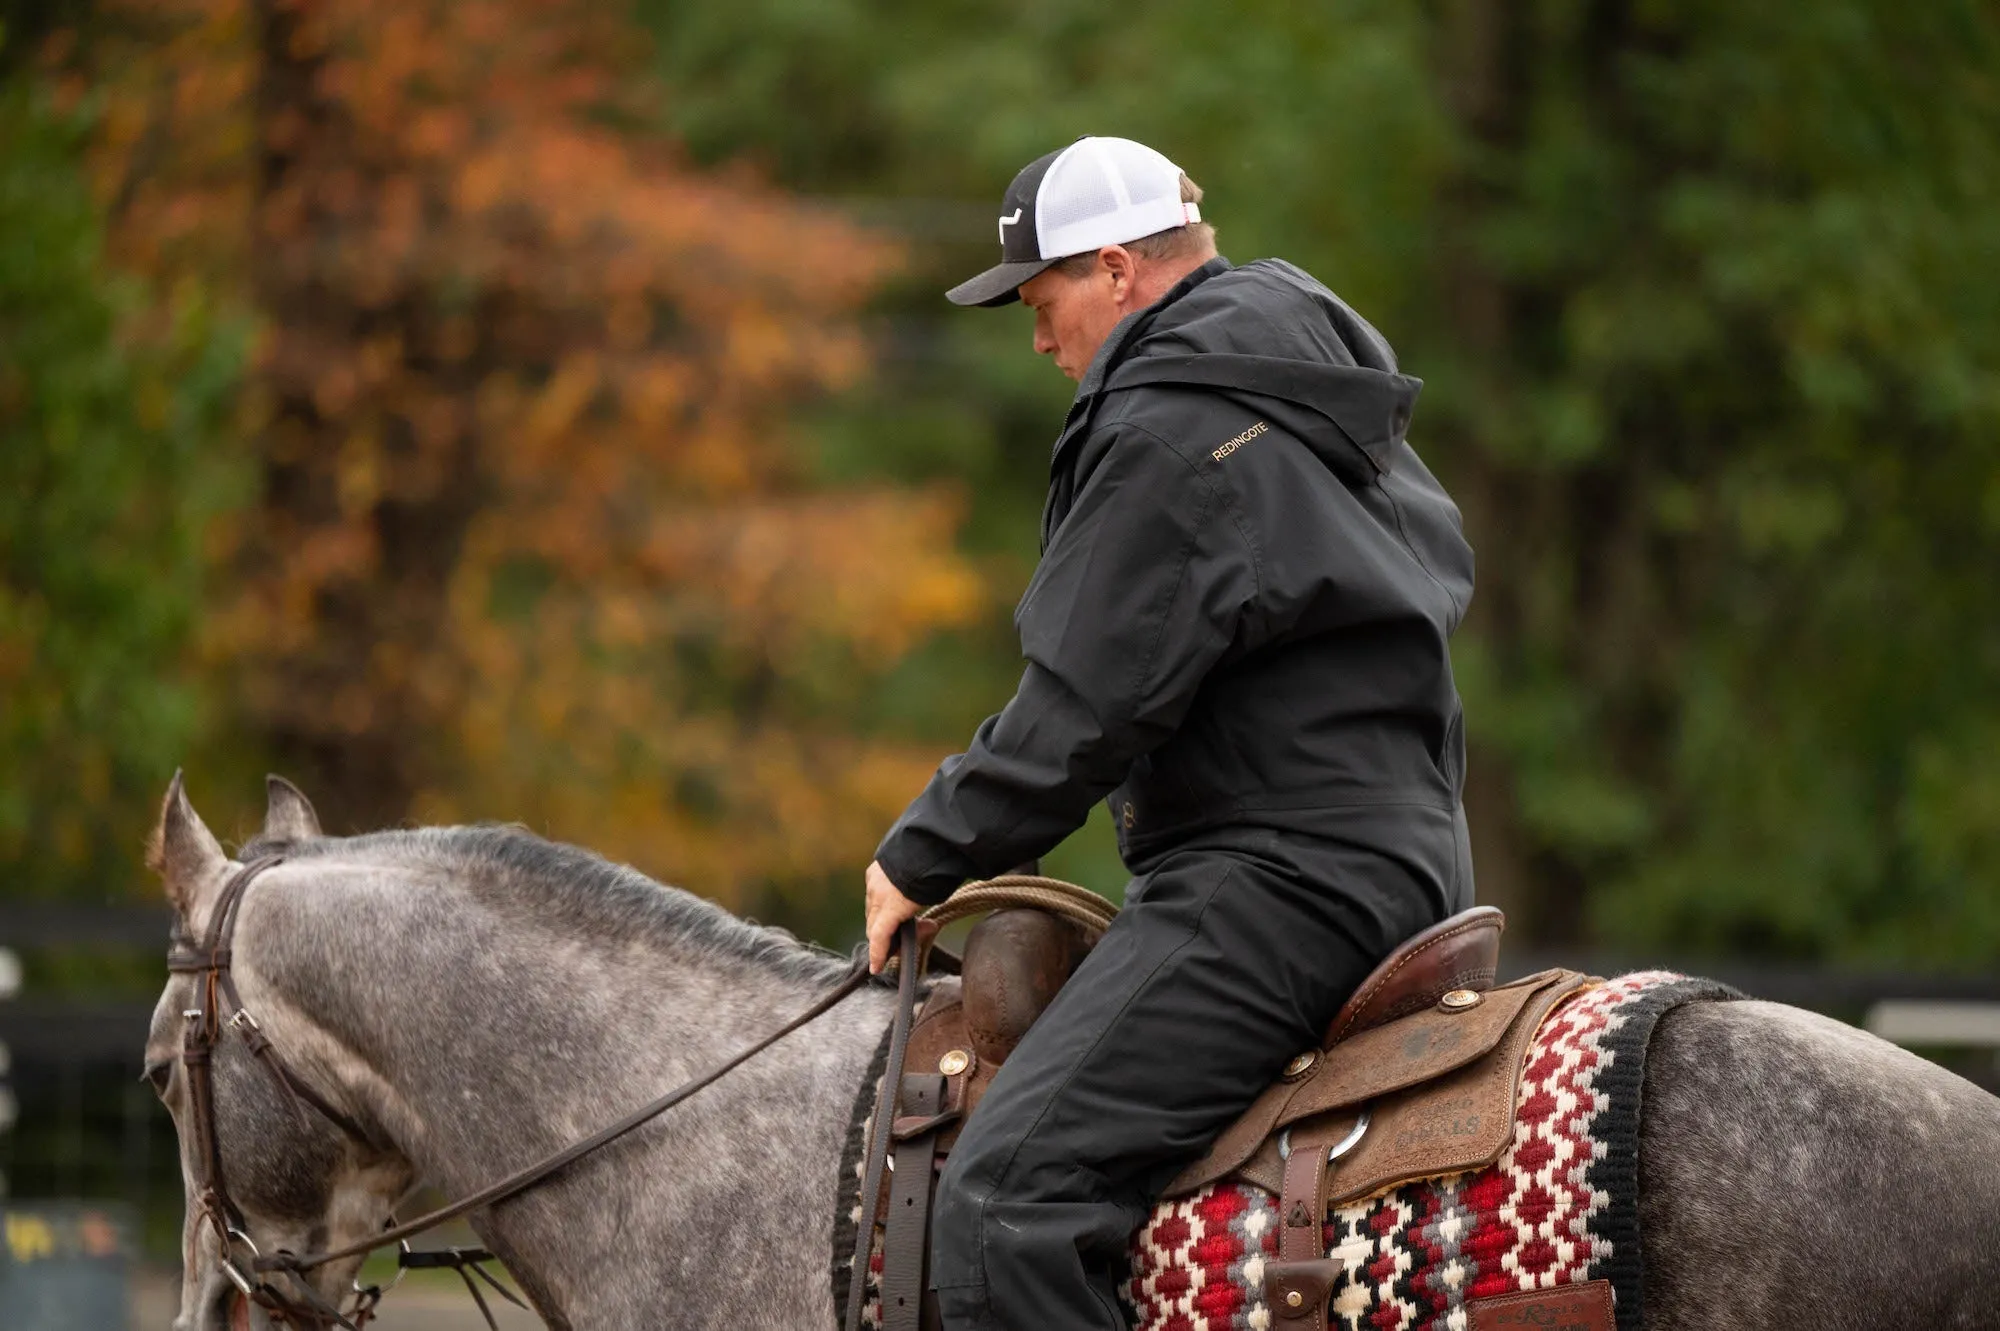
1770 586
114 461
1707 301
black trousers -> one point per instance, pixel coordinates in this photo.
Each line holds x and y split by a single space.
1229 957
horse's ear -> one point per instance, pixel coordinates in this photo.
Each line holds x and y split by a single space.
186 855
288 814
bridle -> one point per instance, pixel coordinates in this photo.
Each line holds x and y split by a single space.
221 1010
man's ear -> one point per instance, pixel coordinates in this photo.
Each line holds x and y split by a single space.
288 814
186 855
1122 267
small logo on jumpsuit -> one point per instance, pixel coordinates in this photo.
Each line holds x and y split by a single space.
1259 428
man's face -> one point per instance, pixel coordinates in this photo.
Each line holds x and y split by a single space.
1073 315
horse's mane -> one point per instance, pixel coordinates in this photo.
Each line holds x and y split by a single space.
549 880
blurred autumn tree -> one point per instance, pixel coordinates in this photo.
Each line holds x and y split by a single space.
530 539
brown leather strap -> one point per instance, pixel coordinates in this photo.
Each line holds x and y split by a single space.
1297 1285
297 1089
906 1236
221 1010
885 1110
202 1032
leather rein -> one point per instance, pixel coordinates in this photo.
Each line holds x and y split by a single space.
221 1010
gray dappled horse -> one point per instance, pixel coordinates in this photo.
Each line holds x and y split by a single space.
476 998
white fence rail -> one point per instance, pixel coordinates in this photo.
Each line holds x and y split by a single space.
1929 1024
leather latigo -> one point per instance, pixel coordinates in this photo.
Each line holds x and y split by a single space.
1298 1283
940 1031
1584 1307
1439 1086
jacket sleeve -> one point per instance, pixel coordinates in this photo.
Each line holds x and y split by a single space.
1137 597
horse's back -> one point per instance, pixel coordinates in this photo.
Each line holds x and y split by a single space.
1796 1172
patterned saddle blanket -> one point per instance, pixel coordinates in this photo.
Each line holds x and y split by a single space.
1560 1208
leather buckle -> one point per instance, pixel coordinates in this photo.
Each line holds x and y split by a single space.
1301 1289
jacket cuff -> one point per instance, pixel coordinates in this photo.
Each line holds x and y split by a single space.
926 885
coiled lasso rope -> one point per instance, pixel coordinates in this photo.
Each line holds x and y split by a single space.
1079 905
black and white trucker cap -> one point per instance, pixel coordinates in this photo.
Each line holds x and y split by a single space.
1096 192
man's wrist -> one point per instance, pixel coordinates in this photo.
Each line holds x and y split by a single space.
925 887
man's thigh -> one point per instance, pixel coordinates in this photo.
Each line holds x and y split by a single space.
1219 969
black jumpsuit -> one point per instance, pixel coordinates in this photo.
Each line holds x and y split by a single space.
1238 632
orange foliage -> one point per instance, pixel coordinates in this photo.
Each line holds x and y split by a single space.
533 541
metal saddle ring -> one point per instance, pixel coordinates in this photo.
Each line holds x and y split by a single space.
1335 1151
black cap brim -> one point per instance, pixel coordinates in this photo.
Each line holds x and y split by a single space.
998 285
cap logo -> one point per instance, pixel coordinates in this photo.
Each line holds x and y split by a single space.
1006 222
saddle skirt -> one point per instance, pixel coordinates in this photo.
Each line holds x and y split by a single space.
1418 1078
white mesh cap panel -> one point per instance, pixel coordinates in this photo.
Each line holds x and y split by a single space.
1074 193
1105 191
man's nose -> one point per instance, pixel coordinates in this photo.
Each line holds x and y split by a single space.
1045 344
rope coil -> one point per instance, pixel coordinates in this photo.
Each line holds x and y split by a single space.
1079 905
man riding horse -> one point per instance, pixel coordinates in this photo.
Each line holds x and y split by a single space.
1238 632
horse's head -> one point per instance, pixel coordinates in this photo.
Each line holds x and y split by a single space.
280 1152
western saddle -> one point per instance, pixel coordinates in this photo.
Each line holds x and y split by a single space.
1416 1078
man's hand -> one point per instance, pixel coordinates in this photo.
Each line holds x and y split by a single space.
887 909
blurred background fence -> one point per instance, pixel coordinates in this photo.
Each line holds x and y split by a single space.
531 410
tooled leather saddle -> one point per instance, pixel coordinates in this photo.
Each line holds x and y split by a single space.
1416 1078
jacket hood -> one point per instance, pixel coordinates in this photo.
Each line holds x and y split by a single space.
1268 335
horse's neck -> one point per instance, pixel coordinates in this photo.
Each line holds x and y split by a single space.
495 1048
